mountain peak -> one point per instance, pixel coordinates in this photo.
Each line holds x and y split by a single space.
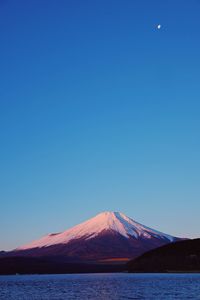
108 214
107 221
111 216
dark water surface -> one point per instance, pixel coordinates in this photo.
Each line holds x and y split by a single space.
100 286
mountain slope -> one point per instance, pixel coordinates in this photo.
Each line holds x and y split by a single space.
107 235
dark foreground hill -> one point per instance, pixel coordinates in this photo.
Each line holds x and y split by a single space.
182 256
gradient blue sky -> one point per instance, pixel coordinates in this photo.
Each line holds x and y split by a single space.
98 111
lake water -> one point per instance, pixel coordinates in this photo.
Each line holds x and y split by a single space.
100 287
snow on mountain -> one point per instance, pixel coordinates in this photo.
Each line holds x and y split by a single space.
114 222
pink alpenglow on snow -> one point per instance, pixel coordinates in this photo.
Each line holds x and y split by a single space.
107 235
114 221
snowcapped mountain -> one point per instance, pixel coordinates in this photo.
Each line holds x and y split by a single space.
106 236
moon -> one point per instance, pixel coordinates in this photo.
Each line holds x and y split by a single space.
158 26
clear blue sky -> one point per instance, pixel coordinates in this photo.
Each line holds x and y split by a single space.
99 111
